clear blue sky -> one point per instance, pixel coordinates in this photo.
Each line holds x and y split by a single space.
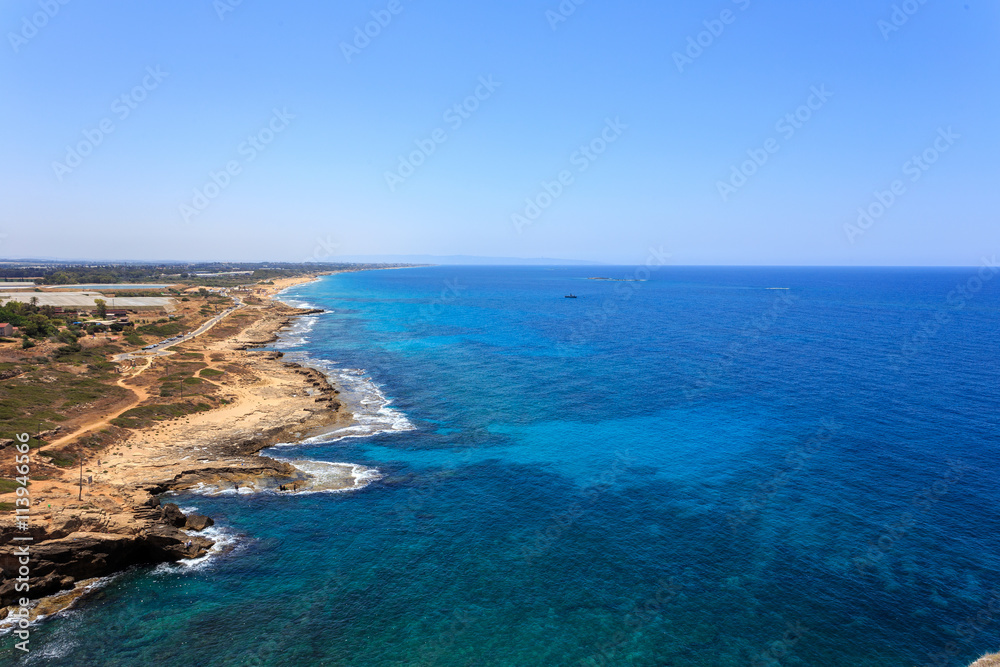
320 187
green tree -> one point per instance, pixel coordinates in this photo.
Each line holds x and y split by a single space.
102 308
37 326
59 278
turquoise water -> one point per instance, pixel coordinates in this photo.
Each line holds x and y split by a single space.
694 469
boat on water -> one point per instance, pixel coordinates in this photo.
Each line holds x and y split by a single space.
570 296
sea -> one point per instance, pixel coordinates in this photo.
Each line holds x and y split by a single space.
686 466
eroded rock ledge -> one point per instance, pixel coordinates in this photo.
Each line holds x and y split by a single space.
76 550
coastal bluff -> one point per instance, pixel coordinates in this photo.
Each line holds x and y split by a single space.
79 547
242 399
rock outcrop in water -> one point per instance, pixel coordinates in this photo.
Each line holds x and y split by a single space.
991 660
77 550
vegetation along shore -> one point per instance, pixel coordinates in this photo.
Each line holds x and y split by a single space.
112 423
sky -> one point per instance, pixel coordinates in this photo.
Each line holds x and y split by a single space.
715 131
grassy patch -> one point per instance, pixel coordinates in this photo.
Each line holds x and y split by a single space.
45 394
8 485
163 330
103 365
144 415
210 373
60 459
97 440
6 507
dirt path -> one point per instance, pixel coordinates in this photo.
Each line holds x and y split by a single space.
140 393
140 396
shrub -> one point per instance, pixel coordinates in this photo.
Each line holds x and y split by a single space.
60 459
66 350
8 485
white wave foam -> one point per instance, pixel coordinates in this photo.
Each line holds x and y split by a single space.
203 489
297 333
8 624
330 477
57 649
371 410
225 540
298 303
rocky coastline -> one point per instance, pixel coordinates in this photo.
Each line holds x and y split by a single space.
121 522
73 551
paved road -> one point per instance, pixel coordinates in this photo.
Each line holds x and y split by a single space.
161 349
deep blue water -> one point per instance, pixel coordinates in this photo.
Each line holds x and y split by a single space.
689 470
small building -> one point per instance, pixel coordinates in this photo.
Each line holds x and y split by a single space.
6 329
